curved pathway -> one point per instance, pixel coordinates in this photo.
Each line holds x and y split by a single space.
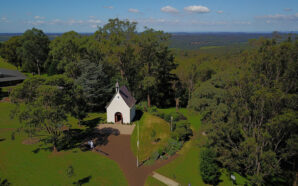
118 149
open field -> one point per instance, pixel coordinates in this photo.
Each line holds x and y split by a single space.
23 164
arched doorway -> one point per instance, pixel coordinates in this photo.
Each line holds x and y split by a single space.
118 117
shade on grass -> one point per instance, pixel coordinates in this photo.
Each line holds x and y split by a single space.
33 164
148 123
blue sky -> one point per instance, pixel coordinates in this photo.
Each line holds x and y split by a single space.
167 15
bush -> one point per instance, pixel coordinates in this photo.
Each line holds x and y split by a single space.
208 167
142 106
173 146
182 131
70 171
152 109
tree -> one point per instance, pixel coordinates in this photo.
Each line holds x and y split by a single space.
157 62
118 37
34 50
10 51
257 137
95 84
208 167
66 51
47 103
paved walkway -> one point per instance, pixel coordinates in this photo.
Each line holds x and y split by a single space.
164 179
123 129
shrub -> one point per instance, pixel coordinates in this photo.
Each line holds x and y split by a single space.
152 109
208 167
172 147
142 106
182 131
70 171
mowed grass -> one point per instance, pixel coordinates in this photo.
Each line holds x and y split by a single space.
35 164
148 123
185 168
4 64
153 182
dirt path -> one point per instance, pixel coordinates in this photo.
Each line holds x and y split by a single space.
164 179
123 129
118 149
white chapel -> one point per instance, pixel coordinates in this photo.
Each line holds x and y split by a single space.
121 109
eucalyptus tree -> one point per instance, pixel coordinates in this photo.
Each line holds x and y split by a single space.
117 38
44 103
10 50
34 50
65 52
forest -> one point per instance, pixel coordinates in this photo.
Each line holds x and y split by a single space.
247 98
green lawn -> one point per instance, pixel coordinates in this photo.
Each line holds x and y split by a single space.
153 182
4 64
26 165
148 123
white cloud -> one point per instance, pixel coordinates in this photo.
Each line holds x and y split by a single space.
56 21
288 9
279 17
169 9
109 7
38 17
197 9
36 22
219 11
3 20
132 10
92 17
94 21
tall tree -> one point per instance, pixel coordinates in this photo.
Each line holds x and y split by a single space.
10 50
34 50
95 83
153 54
47 103
65 51
117 37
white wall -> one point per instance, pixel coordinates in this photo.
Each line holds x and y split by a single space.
118 105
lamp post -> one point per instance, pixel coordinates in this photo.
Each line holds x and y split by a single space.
171 123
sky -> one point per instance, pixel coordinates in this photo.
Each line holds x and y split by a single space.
54 16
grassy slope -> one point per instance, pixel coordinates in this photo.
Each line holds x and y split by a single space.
21 166
4 64
148 123
185 168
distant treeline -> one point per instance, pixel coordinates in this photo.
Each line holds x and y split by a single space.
192 40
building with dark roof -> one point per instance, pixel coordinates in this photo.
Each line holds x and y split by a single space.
121 109
10 77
